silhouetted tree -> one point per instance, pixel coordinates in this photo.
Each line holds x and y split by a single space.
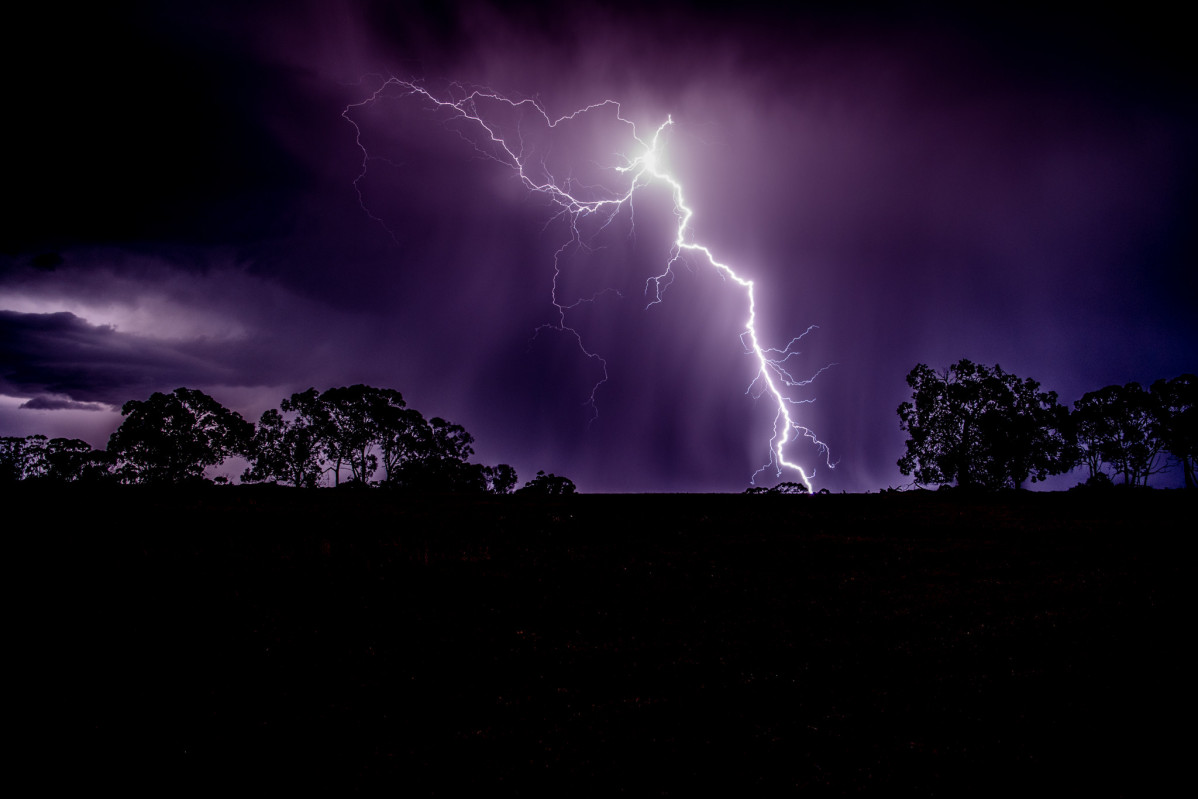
34 463
401 432
348 430
364 427
285 450
72 460
438 476
548 485
172 438
11 465
781 488
436 454
65 458
500 479
341 426
1119 426
23 458
449 441
62 460
1090 425
1177 409
981 427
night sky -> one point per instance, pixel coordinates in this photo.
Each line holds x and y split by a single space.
924 185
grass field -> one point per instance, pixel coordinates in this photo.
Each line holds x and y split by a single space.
933 643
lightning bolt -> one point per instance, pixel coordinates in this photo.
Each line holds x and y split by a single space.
496 122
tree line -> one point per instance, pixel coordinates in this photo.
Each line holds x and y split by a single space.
978 426
367 434
970 425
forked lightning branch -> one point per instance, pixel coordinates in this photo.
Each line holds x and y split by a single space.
482 112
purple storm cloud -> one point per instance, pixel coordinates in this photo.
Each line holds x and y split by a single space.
921 185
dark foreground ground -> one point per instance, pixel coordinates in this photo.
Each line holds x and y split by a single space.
233 638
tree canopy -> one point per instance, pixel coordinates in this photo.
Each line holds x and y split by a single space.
979 426
172 438
285 451
362 427
972 425
1176 403
1129 429
550 485
59 460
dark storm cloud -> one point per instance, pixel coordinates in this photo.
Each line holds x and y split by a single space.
925 183
62 354
138 324
42 403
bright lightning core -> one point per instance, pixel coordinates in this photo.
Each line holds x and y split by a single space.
499 128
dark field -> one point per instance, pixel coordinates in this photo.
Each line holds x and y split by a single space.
932 643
